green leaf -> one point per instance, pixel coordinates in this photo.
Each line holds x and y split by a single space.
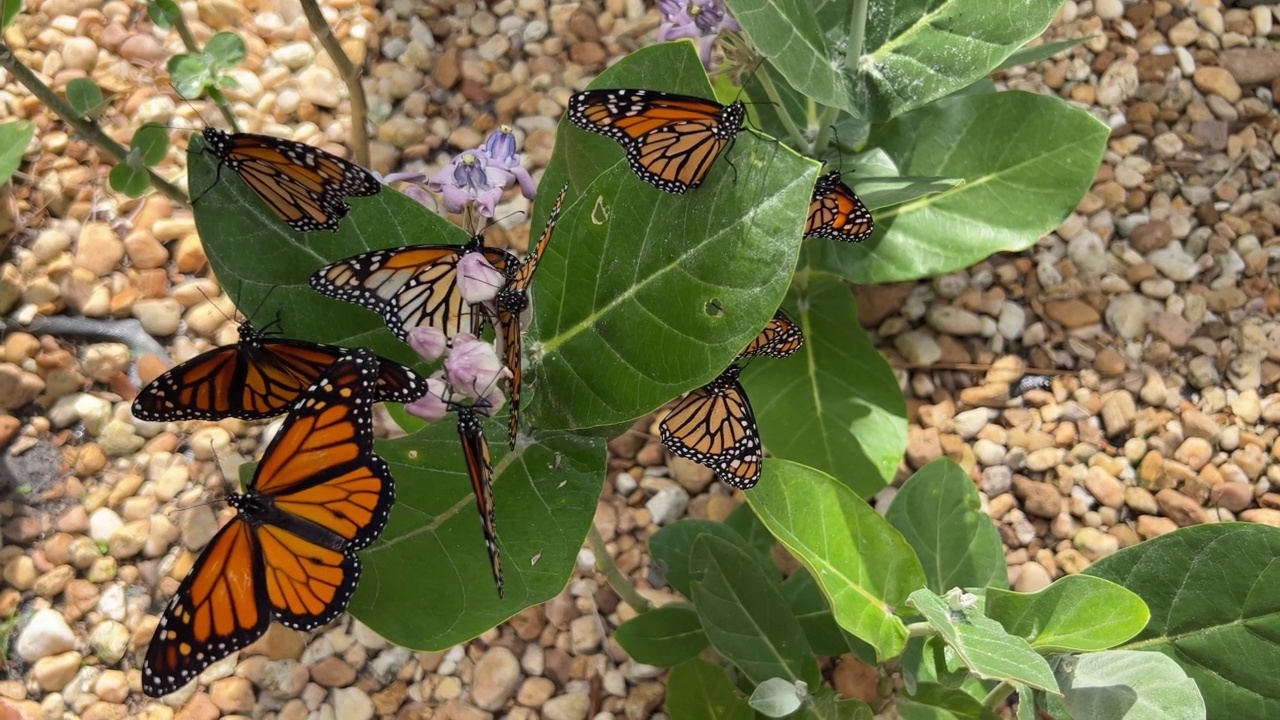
129 180
1031 54
664 637
934 700
85 97
1130 685
983 645
1077 613
14 138
835 405
778 698
811 608
920 50
152 141
426 582
672 546
745 617
9 10
225 50
997 144
190 73
863 565
743 520
638 272
163 13
1026 703
939 513
1214 595
698 690
827 705
788 33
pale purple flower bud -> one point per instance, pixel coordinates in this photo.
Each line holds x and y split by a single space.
500 148
478 280
701 20
428 342
473 368
431 406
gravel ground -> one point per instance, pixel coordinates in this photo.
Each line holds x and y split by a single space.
1158 294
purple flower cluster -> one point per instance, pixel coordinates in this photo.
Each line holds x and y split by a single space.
478 176
482 174
472 370
700 20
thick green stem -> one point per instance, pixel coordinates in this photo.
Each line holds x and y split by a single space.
920 629
350 75
766 82
189 41
857 34
997 695
620 583
87 128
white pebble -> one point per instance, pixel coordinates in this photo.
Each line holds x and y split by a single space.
102 523
112 603
45 634
668 504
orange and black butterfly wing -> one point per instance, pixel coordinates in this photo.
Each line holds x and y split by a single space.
409 287
201 388
781 338
715 426
836 213
509 336
220 607
671 140
307 583
475 449
321 467
304 185
396 383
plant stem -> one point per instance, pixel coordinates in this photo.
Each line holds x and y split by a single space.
350 75
920 629
997 695
857 34
189 41
771 90
826 121
620 583
86 128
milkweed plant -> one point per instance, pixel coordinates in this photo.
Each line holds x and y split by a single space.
643 295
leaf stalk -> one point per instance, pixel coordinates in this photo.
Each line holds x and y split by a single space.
857 35
620 583
350 75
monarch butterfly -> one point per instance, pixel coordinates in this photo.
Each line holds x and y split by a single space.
671 140
475 450
781 338
303 184
415 286
714 426
836 213
256 378
319 494
512 300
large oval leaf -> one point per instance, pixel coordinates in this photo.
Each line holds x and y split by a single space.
1129 685
834 405
1077 613
645 295
1026 160
426 582
1214 595
863 565
939 512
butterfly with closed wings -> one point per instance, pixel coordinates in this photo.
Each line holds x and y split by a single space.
836 213
318 495
255 378
715 426
304 185
510 301
671 140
